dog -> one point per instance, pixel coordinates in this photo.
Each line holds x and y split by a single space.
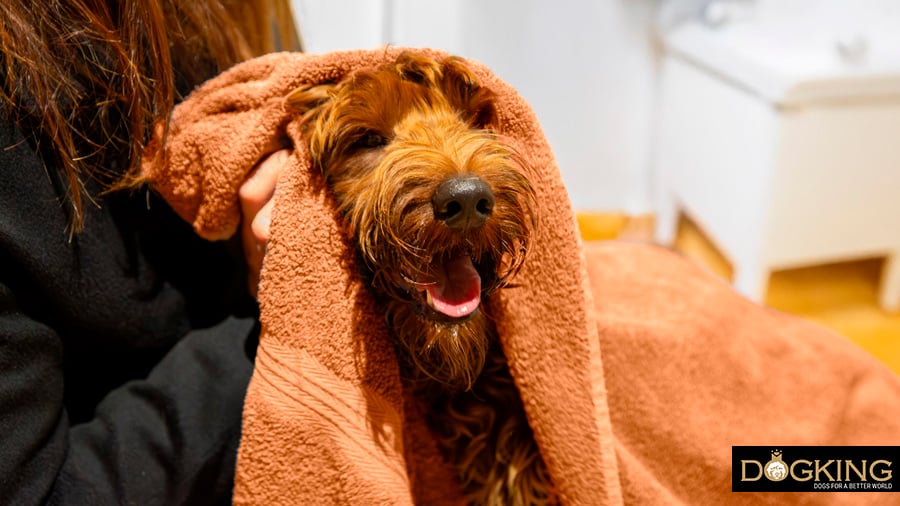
442 212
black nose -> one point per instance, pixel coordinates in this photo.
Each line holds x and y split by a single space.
463 202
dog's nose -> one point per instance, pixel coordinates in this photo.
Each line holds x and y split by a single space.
463 202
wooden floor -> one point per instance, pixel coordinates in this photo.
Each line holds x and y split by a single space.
840 296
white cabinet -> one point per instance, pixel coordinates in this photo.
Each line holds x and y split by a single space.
780 138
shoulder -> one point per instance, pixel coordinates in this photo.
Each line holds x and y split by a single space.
29 193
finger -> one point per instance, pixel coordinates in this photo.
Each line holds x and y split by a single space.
259 187
254 252
255 234
259 227
255 196
255 239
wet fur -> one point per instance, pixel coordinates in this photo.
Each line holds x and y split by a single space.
386 138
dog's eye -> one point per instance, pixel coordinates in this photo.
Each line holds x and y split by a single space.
370 140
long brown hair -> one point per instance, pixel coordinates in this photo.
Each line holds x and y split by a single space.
85 79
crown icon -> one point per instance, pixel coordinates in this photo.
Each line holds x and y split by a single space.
776 454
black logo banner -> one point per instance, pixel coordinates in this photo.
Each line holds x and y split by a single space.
815 468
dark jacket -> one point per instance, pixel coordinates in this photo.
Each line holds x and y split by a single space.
125 352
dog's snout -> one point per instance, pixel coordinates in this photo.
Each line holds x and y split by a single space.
463 202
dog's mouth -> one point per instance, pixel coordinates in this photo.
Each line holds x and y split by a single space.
451 287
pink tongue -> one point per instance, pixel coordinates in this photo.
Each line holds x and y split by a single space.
457 290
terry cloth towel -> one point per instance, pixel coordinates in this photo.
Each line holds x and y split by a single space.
638 370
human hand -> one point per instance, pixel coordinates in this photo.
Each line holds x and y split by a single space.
255 196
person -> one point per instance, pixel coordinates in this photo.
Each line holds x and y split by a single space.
126 341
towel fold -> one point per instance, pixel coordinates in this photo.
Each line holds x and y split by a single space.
688 368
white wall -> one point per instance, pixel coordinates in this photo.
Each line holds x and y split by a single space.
587 68
329 25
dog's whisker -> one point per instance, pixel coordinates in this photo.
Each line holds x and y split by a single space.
417 284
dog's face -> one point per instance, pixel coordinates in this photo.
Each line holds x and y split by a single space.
441 208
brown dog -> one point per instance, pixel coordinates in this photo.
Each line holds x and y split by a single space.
442 212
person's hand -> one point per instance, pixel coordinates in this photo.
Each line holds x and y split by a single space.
256 209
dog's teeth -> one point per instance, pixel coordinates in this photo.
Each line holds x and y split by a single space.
428 299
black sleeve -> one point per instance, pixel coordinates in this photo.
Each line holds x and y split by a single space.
168 439
162 427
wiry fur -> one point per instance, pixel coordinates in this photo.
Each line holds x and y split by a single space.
386 138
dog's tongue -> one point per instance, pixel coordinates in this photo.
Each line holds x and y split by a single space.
456 289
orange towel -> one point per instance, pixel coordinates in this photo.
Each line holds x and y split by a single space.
638 371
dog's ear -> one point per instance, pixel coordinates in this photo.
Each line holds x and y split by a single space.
463 91
307 99
457 83
417 68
